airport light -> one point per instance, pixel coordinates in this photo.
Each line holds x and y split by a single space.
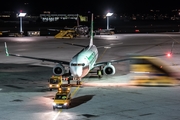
21 15
168 54
108 15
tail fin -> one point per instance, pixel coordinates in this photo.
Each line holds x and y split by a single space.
91 32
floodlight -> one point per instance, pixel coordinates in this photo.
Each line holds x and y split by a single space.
108 14
22 14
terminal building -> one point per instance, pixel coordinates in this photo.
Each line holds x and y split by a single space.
154 21
57 17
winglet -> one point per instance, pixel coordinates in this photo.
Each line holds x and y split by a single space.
7 53
91 32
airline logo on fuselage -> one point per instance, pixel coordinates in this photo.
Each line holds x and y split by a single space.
91 56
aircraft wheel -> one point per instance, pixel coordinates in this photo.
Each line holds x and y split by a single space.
78 82
68 81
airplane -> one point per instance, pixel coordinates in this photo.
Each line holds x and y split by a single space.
81 63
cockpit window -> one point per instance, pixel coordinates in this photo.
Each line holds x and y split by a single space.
77 64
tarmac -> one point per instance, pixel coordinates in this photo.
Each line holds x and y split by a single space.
24 92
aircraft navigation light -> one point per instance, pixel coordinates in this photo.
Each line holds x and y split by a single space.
168 54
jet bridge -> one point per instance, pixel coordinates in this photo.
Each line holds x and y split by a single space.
152 71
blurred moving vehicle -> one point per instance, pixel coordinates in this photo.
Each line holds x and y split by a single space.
62 98
152 71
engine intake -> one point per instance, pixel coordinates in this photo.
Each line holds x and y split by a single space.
58 69
109 69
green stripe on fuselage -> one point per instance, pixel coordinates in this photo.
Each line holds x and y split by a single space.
91 56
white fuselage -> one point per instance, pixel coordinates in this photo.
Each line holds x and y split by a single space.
83 62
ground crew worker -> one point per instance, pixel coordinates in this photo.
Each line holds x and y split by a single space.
99 73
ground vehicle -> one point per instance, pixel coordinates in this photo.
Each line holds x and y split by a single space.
55 82
62 98
66 34
151 71
104 32
79 29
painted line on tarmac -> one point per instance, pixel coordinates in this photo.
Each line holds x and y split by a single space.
73 93
57 114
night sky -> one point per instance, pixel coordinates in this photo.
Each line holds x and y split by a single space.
75 6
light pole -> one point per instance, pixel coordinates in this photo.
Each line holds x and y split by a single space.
20 16
107 15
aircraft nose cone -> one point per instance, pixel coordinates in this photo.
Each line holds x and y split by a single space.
77 71
78 74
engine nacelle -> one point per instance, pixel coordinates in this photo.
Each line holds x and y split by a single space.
58 69
109 69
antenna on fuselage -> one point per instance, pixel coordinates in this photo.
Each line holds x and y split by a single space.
91 32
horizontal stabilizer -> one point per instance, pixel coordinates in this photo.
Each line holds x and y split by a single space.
75 44
110 45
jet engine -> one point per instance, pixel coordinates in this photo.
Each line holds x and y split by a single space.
58 69
109 69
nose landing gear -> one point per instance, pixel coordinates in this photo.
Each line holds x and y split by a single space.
78 82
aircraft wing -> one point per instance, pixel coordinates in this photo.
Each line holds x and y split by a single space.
35 58
75 44
111 61
109 46
104 46
126 59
